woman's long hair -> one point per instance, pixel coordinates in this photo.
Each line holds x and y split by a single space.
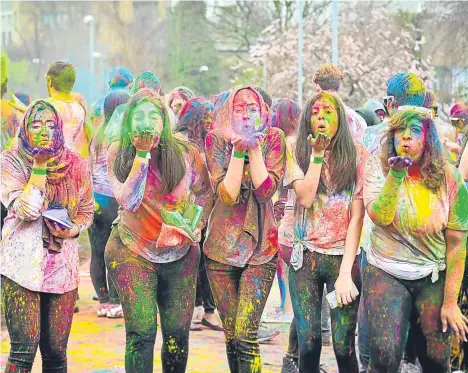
169 154
342 162
192 118
432 161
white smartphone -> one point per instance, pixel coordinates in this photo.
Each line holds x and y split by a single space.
331 297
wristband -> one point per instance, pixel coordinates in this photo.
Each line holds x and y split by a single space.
398 175
143 154
240 155
39 171
317 160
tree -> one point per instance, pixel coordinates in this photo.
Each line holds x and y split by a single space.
372 48
190 49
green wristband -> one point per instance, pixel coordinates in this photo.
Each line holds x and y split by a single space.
143 154
39 171
317 160
398 175
240 155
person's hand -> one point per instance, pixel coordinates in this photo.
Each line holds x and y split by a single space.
399 164
319 143
238 144
59 231
259 137
451 316
197 234
145 141
344 287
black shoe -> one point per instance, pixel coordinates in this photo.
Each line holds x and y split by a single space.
206 323
289 366
76 310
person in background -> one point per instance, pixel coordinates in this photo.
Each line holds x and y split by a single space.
459 121
369 116
195 118
246 160
378 108
38 256
153 263
145 80
120 78
218 102
328 77
417 202
176 100
106 209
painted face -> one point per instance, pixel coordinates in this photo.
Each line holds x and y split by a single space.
380 114
146 117
324 118
41 130
246 118
207 121
410 141
176 105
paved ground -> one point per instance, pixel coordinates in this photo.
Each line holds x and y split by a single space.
97 345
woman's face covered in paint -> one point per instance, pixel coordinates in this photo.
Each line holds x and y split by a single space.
177 104
246 116
324 118
147 117
42 131
410 140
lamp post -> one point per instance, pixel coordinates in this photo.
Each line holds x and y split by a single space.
300 26
203 69
335 32
89 20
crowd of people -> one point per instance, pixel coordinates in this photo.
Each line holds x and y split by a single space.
191 202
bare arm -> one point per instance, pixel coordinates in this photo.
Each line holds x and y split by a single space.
463 168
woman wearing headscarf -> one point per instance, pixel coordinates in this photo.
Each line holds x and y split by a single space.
39 256
246 161
165 197
176 100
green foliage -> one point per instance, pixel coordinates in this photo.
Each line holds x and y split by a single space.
189 47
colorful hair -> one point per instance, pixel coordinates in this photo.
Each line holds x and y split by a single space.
328 77
58 141
429 99
146 80
218 103
183 92
192 118
285 115
343 151
432 161
407 88
62 75
169 153
119 78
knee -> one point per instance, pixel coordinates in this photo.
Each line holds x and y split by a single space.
176 344
139 340
384 360
23 354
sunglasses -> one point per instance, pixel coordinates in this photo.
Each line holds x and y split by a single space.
387 100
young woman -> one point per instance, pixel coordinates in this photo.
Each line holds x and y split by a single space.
194 124
39 257
416 257
176 100
105 212
246 160
326 170
153 264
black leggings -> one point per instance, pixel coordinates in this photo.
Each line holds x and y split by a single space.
99 233
34 320
393 305
204 294
306 287
144 287
241 295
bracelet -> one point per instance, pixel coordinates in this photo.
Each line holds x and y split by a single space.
39 171
317 160
143 154
240 155
398 175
